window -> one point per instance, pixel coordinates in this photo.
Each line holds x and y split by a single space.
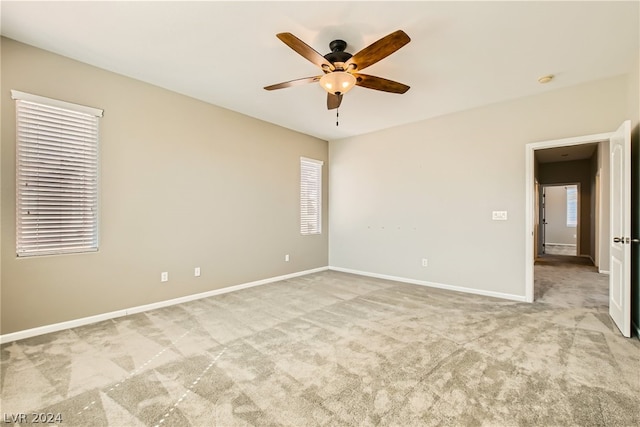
56 176
572 205
310 196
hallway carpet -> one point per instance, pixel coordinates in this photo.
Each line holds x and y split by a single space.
335 349
556 249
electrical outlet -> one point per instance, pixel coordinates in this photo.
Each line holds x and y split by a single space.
196 271
164 276
286 257
425 262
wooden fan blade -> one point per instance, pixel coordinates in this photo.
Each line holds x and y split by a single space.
378 83
294 83
378 50
305 50
333 101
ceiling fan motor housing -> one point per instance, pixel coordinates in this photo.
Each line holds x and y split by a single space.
337 53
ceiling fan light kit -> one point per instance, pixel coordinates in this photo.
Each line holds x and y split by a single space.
338 82
339 67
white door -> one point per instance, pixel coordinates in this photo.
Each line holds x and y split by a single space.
620 267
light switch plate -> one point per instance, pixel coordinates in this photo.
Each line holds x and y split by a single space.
499 215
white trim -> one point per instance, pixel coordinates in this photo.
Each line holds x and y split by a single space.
603 271
530 194
575 140
562 244
310 160
23 96
519 298
530 203
28 333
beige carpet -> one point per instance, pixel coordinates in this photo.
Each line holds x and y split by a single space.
554 249
334 349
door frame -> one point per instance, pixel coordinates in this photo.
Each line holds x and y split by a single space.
530 192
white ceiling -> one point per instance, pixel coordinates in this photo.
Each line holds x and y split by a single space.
462 54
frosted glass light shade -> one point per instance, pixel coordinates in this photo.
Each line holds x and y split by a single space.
338 82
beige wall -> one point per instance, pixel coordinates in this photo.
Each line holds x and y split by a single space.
603 166
427 189
182 184
594 213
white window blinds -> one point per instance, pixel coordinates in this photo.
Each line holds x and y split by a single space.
310 196
56 176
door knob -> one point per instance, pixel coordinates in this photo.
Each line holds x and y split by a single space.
633 240
618 240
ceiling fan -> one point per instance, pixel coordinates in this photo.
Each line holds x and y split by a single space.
342 70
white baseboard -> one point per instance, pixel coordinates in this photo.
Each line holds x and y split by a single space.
603 271
28 333
519 298
561 244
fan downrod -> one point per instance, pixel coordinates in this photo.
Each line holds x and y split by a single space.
338 46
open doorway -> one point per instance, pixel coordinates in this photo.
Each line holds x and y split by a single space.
559 228
567 215
611 184
582 162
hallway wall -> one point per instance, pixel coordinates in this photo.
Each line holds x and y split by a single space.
634 108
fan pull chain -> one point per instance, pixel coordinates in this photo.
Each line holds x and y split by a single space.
337 115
